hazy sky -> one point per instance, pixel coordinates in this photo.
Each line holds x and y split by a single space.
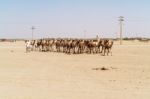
70 18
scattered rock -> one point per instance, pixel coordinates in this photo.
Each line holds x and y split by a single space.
103 68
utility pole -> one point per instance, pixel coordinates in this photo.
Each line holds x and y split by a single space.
32 28
121 19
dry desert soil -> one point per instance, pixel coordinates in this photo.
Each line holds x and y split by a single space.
49 75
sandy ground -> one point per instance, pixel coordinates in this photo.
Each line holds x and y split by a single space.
39 75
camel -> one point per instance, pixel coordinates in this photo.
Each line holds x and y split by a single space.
28 46
107 47
73 46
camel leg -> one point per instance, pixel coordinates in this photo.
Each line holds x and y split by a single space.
104 52
107 52
74 50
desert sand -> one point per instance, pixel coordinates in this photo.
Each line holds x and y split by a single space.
50 75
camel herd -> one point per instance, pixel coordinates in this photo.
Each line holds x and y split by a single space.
71 46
